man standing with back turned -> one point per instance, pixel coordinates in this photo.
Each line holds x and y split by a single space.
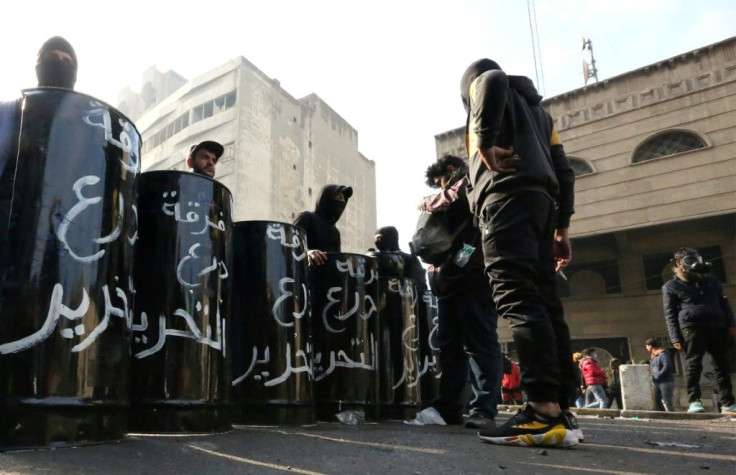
521 188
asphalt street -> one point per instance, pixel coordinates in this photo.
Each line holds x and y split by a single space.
620 445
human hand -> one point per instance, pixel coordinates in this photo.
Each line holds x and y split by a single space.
316 257
499 159
678 346
562 251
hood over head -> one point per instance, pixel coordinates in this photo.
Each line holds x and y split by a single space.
387 238
521 84
471 74
53 72
327 206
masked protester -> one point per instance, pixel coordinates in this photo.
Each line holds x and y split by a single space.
699 320
56 65
387 241
322 234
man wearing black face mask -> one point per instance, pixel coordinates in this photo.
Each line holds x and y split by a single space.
322 234
56 66
387 240
699 320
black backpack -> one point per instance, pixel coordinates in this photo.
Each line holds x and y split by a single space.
432 240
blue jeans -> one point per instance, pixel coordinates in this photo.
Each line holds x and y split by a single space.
468 339
601 401
664 392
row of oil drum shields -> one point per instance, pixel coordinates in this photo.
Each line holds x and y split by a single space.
131 302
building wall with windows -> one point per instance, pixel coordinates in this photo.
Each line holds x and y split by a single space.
279 150
654 151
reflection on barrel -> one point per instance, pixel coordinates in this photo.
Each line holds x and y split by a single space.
66 254
344 292
181 374
399 394
429 352
272 370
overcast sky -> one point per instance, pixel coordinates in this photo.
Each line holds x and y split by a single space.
390 68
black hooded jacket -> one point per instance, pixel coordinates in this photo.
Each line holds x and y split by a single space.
412 267
506 111
319 224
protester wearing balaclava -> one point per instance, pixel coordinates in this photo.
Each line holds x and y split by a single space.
387 239
319 225
54 69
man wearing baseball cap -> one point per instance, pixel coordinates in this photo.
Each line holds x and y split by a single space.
203 157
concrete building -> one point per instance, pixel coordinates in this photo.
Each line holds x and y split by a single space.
279 150
654 152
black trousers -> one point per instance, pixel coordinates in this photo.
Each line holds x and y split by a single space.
468 339
518 237
698 341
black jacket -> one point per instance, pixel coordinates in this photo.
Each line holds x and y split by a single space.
506 111
319 224
449 279
700 304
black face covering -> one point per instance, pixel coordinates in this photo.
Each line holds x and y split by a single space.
389 239
337 209
53 72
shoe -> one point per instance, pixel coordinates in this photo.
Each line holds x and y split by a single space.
479 421
452 419
573 422
696 406
724 410
527 428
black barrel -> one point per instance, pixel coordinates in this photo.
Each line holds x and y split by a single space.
181 370
67 232
429 352
344 294
272 365
399 395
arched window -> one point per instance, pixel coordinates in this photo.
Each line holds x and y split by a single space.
667 143
580 166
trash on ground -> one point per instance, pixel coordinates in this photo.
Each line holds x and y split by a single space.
673 444
351 418
427 417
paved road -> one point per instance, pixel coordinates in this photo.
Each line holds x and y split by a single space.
619 446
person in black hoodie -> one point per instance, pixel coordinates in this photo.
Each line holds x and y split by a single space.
322 234
521 189
387 240
467 320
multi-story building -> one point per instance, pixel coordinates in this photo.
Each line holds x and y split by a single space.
654 151
279 150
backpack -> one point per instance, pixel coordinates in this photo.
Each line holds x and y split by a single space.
432 240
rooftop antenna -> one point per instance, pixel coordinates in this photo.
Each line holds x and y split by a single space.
536 49
589 70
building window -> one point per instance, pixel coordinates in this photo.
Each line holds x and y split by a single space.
593 279
580 166
667 143
228 154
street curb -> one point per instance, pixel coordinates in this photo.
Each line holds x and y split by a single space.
624 414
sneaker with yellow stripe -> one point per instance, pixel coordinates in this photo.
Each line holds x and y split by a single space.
528 428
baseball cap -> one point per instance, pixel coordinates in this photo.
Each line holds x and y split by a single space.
209 145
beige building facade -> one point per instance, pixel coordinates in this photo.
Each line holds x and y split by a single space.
279 150
654 152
